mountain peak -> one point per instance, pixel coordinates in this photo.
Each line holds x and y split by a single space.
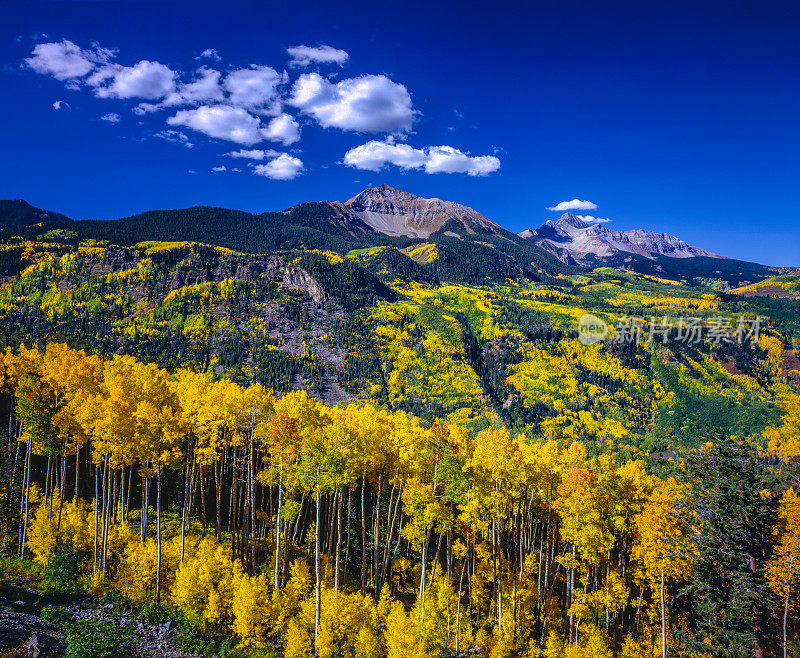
400 213
383 191
571 237
385 188
568 219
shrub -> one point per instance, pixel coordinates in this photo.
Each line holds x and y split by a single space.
251 608
45 533
157 614
136 574
56 615
14 570
188 634
98 638
204 581
63 570
189 637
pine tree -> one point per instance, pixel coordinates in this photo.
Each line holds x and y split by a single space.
732 516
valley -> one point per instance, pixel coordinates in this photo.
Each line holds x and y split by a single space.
400 365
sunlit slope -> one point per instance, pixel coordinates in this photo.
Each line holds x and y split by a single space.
786 285
378 324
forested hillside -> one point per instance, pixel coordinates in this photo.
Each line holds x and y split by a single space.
405 448
314 225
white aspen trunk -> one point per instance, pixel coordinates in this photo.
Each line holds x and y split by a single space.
425 552
77 469
128 494
252 494
347 542
458 602
25 497
48 496
364 540
338 534
96 514
145 504
62 487
318 592
422 575
376 536
389 535
121 496
189 476
158 534
278 529
106 511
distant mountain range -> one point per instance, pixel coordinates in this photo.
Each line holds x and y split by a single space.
574 241
469 247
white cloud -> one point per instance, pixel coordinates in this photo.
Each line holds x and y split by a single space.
221 122
284 167
282 129
202 90
575 204
205 88
147 108
146 79
374 155
589 219
371 103
65 61
210 53
61 105
302 56
235 124
111 117
175 136
449 160
255 89
254 154
220 168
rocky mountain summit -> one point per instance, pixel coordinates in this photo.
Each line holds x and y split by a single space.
577 242
399 213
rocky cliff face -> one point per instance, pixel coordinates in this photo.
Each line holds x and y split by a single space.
399 213
297 277
574 241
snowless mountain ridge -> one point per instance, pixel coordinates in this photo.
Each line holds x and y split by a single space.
399 213
574 241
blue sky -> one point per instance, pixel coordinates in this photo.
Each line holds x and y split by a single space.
679 117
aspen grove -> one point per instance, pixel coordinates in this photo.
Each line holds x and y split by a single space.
354 530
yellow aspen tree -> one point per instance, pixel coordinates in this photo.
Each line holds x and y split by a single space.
190 389
158 430
783 568
656 550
